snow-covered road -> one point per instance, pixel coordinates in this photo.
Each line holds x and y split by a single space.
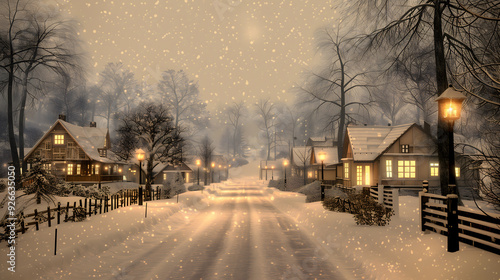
239 235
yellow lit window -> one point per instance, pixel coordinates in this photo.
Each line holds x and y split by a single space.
346 170
96 172
309 174
164 176
70 169
388 168
59 139
359 175
434 169
78 169
457 172
367 175
406 169
187 177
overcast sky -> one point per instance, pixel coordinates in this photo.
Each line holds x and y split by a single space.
236 49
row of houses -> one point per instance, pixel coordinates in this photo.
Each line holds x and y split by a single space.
399 156
83 155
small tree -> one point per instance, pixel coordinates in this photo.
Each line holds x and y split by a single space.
39 182
150 127
174 185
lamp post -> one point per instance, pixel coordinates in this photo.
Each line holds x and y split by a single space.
285 163
450 106
266 172
213 167
272 173
218 173
198 163
322 158
140 157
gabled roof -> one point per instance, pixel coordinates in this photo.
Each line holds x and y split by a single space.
90 139
331 155
368 142
320 142
301 154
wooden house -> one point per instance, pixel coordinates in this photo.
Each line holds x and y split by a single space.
398 156
163 172
77 154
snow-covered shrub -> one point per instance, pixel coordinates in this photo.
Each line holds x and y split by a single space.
195 187
312 191
174 185
365 209
39 182
63 189
90 191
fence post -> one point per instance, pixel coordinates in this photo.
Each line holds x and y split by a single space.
85 209
48 216
67 212
425 185
74 211
36 219
23 230
423 200
58 212
140 195
90 207
395 201
452 201
322 192
380 194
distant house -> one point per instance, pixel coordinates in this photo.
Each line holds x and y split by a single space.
77 154
306 159
402 155
163 172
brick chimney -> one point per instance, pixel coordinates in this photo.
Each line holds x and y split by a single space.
62 117
93 124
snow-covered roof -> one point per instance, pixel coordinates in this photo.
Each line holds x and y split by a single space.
301 154
320 142
331 155
89 139
368 142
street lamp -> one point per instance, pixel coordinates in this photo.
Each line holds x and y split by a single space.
450 105
198 163
285 163
322 158
272 173
218 173
140 157
213 166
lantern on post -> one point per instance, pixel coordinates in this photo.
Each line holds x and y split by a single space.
285 163
140 157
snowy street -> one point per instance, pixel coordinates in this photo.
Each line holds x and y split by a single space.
240 235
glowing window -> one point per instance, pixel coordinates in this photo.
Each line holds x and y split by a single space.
164 176
406 169
187 177
78 169
388 168
434 169
405 148
457 172
367 175
346 170
59 139
70 169
359 175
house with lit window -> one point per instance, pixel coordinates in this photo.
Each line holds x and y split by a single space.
77 154
318 159
165 171
398 156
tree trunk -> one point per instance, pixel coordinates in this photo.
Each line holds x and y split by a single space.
10 112
149 177
442 83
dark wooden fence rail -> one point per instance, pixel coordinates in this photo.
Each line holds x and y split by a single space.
79 211
474 228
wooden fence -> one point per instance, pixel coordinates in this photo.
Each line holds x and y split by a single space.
387 196
84 208
474 228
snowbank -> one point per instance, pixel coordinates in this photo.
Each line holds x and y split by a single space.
398 251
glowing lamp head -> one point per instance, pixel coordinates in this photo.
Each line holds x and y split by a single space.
213 164
322 156
198 162
450 104
285 163
140 154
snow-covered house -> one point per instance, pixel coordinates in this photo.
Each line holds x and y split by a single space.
77 154
402 155
164 171
307 159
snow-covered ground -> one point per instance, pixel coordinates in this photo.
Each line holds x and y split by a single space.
243 230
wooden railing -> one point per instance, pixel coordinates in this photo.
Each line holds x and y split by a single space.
474 228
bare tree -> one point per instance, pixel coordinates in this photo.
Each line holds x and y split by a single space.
302 157
34 39
265 109
117 85
235 113
206 150
337 83
182 96
150 127
451 28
